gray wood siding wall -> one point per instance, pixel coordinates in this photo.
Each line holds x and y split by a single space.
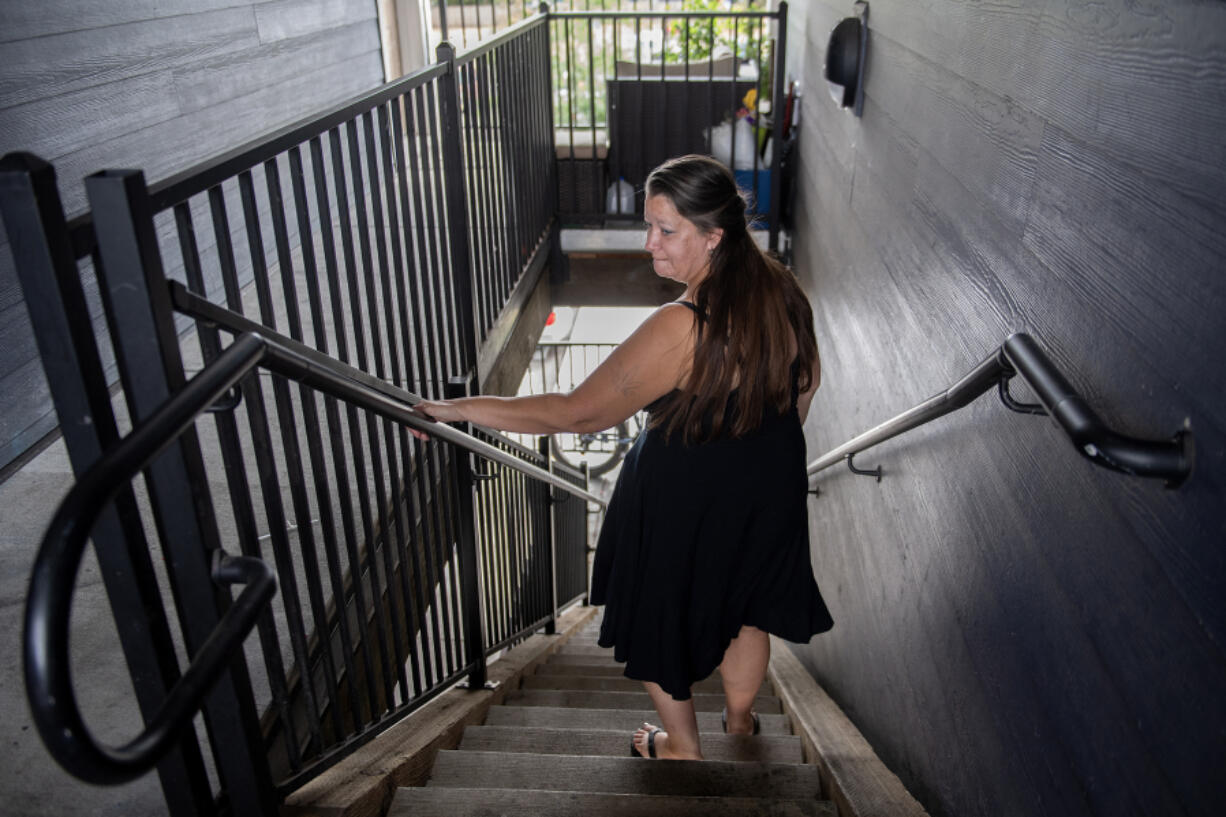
157 86
1018 632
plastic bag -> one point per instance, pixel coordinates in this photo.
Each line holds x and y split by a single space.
722 146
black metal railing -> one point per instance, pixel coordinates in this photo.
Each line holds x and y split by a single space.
469 21
52 698
370 237
1171 460
633 88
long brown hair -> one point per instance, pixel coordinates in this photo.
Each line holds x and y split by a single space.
753 318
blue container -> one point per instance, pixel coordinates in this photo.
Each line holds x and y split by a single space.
760 193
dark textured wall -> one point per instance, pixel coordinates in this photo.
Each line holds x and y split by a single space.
158 86
1018 632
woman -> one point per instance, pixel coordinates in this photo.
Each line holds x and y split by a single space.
704 549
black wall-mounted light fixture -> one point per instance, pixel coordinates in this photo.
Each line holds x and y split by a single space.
845 56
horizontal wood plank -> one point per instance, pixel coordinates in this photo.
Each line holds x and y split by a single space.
56 127
211 82
283 19
23 21
95 57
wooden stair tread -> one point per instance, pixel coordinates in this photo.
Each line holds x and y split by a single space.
591 699
626 775
625 720
616 743
607 684
615 670
586 658
570 648
493 802
601 669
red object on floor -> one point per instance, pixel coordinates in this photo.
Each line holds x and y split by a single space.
553 316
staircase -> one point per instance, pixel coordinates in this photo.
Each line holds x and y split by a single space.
560 745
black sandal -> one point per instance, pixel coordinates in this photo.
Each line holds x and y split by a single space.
757 725
651 744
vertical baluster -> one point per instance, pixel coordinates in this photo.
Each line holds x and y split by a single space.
476 233
371 529
594 159
446 137
291 449
469 589
502 95
514 149
415 238
525 568
381 533
388 501
430 306
232 456
266 464
456 292
487 541
779 52
548 513
319 468
400 377
491 279
335 430
452 302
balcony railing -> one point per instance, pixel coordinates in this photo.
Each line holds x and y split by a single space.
381 239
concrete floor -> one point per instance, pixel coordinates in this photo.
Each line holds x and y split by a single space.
31 783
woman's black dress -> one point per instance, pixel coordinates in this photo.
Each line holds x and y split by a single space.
699 540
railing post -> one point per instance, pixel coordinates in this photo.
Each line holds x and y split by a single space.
457 209
471 595
551 532
777 105
59 317
587 563
137 300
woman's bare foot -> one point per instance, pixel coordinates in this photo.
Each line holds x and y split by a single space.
643 743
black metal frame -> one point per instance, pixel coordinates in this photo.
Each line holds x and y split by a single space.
563 35
48 680
1171 460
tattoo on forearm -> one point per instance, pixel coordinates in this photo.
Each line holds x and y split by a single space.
625 381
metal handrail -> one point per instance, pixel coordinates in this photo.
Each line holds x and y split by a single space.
47 666
300 359
53 702
1171 459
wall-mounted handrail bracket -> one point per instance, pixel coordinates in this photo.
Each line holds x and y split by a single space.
228 402
864 472
1011 403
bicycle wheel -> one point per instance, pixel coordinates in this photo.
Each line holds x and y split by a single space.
602 452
